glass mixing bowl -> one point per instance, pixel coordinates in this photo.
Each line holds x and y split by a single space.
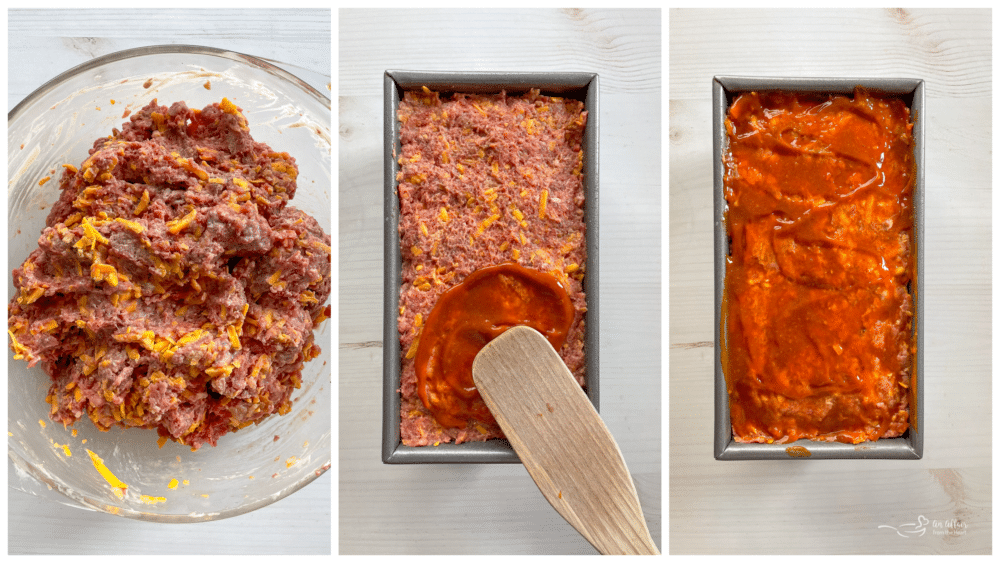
58 124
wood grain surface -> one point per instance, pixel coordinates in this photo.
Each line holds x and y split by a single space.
561 440
496 509
45 43
942 503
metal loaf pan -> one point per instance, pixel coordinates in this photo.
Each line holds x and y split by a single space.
582 86
910 445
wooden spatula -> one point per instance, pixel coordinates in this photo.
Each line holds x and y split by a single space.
561 440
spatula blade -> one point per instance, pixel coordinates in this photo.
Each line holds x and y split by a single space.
561 440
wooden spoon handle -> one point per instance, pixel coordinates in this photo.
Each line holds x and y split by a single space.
561 440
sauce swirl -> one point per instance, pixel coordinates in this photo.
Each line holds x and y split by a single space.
468 316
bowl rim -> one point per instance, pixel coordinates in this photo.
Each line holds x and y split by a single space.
82 501
162 50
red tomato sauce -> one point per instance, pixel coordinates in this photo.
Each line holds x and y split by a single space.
469 315
817 307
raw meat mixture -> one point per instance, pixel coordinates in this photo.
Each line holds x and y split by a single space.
485 179
173 287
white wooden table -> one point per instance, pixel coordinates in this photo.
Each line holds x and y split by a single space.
837 506
44 43
465 509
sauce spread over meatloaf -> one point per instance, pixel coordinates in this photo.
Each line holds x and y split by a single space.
817 304
470 315
485 180
173 287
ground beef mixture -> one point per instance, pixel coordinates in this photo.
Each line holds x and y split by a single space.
818 305
172 287
485 180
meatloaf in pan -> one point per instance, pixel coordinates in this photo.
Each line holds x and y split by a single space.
490 181
819 224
